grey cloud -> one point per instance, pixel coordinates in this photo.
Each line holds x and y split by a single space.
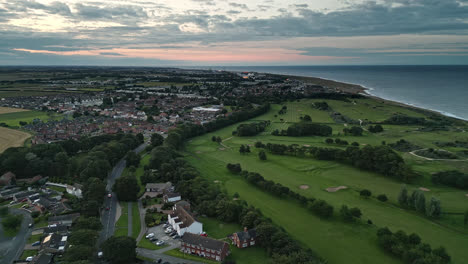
94 12
54 8
206 2
243 6
233 12
110 54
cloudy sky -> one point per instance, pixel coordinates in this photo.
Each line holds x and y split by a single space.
241 32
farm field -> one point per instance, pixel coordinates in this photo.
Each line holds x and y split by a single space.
334 239
11 138
12 119
5 110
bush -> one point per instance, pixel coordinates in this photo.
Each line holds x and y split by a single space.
234 168
382 197
365 193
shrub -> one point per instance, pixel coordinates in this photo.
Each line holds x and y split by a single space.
382 197
365 193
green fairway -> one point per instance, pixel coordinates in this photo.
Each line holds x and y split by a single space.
333 239
13 119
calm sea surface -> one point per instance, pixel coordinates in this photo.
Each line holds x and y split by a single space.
440 88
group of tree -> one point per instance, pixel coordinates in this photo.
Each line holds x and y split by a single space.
119 250
340 142
452 178
350 214
319 207
216 139
251 129
262 155
244 149
375 129
82 241
353 131
321 106
410 249
381 159
306 118
305 129
10 221
404 146
126 187
417 201
283 110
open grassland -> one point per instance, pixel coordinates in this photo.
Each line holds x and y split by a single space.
334 239
11 138
13 119
121 226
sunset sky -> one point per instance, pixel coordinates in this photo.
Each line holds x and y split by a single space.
211 32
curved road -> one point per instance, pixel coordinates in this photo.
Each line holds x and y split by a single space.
108 217
11 249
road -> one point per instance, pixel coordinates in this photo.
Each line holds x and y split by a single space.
154 255
12 248
108 217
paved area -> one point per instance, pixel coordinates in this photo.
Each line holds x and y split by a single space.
12 248
152 254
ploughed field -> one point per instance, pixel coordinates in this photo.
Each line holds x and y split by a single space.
336 240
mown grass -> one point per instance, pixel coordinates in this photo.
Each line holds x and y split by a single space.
136 224
34 238
121 226
28 253
333 239
13 119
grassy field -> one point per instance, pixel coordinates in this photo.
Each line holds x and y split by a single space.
136 225
28 253
6 110
121 226
12 138
13 119
333 239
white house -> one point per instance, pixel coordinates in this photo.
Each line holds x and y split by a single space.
182 221
75 190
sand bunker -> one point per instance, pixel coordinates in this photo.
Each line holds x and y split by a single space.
198 152
335 189
466 195
306 145
304 187
216 181
424 189
221 148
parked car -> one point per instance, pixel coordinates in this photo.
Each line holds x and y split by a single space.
176 237
30 225
160 243
153 239
37 243
205 235
109 195
150 235
159 260
100 254
167 231
29 259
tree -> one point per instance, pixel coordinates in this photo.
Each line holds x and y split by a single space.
234 168
78 253
132 159
12 222
382 197
174 140
262 155
466 218
403 196
119 250
420 202
213 138
84 237
434 209
307 118
329 141
242 149
92 223
140 138
4 211
126 188
365 193
355 212
247 149
156 140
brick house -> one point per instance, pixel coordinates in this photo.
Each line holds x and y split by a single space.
246 238
206 247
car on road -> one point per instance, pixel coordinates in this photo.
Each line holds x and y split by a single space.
150 235
30 225
109 195
160 243
107 208
176 237
167 231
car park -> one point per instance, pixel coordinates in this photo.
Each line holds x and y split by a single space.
153 239
29 259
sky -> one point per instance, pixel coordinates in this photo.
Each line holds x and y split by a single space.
233 33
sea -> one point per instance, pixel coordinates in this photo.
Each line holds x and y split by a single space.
439 88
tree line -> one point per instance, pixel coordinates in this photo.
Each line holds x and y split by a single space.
304 129
251 129
381 159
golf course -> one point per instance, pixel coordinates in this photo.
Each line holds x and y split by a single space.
334 239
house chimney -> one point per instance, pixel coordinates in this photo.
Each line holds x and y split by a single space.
245 229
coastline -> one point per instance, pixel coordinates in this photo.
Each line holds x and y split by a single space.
359 89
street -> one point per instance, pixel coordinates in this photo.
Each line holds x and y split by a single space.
108 217
11 248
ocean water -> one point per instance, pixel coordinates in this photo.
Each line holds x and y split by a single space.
439 88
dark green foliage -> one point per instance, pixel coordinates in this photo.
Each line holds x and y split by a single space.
79 253
156 140
132 159
410 249
355 144
259 144
234 168
350 215
92 223
436 154
375 129
126 188
365 193
12 222
321 208
420 202
119 250
262 155
403 196
251 129
404 146
353 131
329 140
3 211
341 142
434 209
321 106
306 118
400 119
308 129
451 178
382 197
85 237
465 219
